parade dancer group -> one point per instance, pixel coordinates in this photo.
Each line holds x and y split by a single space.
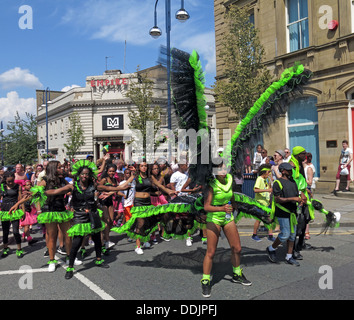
217 207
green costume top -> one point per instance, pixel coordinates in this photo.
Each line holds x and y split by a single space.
222 193
300 179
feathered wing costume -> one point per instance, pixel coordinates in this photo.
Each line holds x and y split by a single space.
187 84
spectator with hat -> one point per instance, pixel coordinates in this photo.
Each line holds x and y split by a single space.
279 156
285 201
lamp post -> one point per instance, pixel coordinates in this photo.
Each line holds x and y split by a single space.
181 15
46 94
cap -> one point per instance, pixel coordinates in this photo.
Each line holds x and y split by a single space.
89 155
297 150
281 152
285 166
161 160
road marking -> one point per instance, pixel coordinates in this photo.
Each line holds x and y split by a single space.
23 271
88 283
96 289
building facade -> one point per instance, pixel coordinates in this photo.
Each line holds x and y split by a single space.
320 35
104 113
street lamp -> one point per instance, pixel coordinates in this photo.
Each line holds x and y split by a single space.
47 96
155 31
181 15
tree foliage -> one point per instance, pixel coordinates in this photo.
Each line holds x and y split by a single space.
20 144
246 77
141 94
76 138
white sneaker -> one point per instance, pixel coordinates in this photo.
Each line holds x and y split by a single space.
109 244
77 262
138 250
52 266
147 245
165 239
91 243
189 242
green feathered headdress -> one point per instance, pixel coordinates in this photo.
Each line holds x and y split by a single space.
84 164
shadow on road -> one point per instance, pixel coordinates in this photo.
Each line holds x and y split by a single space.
193 261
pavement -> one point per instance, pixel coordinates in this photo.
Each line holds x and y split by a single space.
343 203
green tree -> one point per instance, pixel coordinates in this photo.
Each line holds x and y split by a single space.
141 94
20 144
76 138
245 76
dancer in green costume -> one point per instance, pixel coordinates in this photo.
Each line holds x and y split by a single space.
87 218
219 204
10 194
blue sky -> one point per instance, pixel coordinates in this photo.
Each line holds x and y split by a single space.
70 39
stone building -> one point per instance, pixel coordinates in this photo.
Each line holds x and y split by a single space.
103 109
320 35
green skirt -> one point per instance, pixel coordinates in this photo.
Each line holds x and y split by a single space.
16 215
56 217
84 229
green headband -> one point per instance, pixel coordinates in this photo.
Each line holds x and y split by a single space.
265 169
297 150
84 163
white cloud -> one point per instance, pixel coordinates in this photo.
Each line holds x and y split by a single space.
205 45
18 77
12 103
67 88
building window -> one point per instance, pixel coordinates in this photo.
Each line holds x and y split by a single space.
163 119
297 25
210 121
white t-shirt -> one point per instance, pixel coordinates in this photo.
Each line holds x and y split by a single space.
345 155
313 186
130 193
179 179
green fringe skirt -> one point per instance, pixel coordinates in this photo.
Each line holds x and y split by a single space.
15 215
55 216
84 228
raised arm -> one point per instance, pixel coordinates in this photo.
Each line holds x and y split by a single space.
124 186
162 187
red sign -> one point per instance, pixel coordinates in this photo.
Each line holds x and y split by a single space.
109 82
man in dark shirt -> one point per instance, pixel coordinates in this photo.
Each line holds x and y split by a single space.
286 199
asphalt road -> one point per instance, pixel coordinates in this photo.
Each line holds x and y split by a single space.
172 271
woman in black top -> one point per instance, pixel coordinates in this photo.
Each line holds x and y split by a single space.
10 195
106 200
144 186
53 213
87 218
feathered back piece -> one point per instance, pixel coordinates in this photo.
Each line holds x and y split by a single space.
271 104
187 86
